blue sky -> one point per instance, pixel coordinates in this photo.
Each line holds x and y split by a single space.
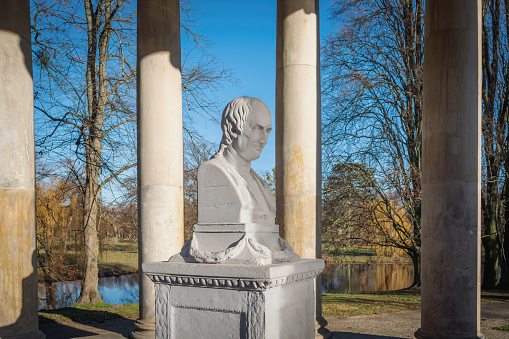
244 36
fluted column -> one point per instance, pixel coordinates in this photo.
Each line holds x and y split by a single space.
160 146
298 132
451 175
18 265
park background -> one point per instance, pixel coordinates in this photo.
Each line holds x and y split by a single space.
371 112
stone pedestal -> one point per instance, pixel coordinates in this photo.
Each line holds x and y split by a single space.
234 301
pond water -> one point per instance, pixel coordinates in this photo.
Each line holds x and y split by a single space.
354 278
337 278
114 290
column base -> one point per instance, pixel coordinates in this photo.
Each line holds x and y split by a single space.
32 335
427 334
145 329
320 330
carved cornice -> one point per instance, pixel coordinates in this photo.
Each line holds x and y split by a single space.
230 283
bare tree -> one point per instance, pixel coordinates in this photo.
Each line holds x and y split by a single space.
85 83
372 113
495 99
85 93
347 194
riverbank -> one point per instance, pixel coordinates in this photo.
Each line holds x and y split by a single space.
115 259
360 255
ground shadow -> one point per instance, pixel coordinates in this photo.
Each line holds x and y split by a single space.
69 322
350 335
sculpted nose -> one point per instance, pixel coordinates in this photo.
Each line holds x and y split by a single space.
265 138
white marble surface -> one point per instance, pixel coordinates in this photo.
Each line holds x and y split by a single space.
234 301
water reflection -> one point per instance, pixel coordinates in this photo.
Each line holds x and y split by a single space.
337 278
354 278
114 290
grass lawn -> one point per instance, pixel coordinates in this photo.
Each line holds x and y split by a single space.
118 258
119 252
346 305
99 312
346 255
334 305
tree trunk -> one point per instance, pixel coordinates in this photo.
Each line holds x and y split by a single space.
504 265
416 261
494 84
491 252
98 42
89 287
504 277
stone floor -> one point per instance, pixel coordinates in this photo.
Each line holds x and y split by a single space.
379 326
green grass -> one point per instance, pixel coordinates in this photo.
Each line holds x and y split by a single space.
365 260
490 296
110 269
347 305
98 312
336 305
345 255
502 328
350 251
119 252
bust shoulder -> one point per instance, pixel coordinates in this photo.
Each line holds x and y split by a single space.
216 170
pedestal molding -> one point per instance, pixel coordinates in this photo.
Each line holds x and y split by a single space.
221 282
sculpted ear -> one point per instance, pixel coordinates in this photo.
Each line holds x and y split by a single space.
235 133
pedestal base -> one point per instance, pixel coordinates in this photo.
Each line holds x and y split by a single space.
145 329
426 334
320 331
234 301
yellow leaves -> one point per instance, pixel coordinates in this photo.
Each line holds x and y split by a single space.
58 206
392 228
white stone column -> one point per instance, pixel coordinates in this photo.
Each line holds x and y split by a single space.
160 146
451 175
298 133
18 265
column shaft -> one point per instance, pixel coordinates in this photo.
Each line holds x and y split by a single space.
160 145
298 175
298 131
18 265
451 175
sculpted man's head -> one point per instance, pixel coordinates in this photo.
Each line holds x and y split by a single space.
246 124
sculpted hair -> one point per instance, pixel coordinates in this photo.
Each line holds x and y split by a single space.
233 119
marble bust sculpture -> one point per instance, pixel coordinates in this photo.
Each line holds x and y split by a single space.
236 208
229 191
